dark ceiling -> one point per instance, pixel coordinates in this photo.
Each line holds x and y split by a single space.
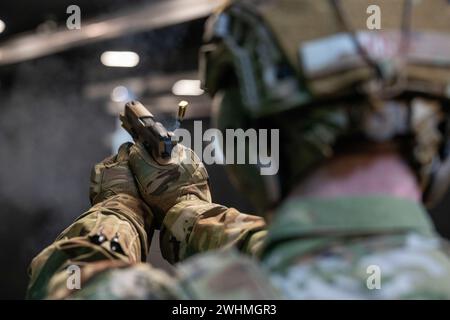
26 15
170 49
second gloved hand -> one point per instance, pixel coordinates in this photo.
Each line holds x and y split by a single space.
163 185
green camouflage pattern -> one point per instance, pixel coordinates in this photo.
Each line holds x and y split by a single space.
223 274
113 176
325 249
185 232
194 226
123 222
179 196
126 281
116 232
276 54
314 250
164 185
411 267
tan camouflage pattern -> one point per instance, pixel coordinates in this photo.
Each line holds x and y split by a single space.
113 176
114 280
191 226
326 249
287 17
164 185
185 232
334 246
331 257
223 275
122 220
314 249
194 226
179 196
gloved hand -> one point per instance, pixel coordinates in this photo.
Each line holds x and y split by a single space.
113 176
162 185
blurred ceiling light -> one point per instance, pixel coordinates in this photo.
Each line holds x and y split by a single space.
96 29
187 88
2 26
120 94
124 59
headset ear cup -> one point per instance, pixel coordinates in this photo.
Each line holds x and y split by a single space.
439 183
230 113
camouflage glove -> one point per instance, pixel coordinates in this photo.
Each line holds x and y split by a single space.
112 176
163 185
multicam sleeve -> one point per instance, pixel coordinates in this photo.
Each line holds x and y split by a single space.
194 226
115 231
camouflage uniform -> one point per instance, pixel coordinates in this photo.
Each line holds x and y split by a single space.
342 248
116 231
312 254
307 253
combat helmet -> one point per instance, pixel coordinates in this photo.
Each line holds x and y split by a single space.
324 72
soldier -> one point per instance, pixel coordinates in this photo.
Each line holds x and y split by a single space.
364 141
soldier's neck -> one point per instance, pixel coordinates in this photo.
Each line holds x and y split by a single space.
379 173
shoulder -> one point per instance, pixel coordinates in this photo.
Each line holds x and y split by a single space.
224 274
131 282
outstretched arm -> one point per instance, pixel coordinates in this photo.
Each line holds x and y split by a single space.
115 232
